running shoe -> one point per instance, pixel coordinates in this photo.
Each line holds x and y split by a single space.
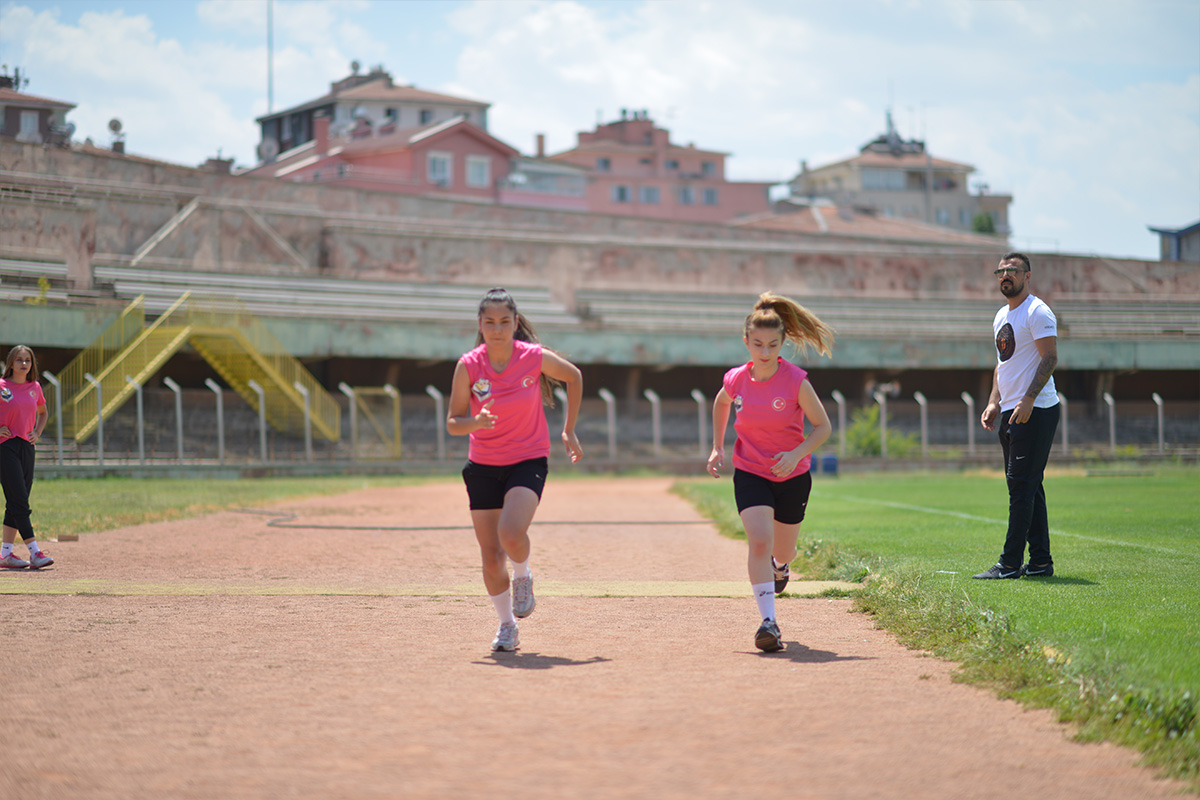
1031 571
768 639
522 594
999 572
11 561
781 576
39 559
507 637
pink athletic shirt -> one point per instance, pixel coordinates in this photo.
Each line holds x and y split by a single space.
769 418
521 432
19 404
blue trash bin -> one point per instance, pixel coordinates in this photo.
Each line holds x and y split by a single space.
829 465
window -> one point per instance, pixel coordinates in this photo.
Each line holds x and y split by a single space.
426 116
439 168
708 168
648 195
964 218
479 171
672 163
687 196
29 122
620 194
644 161
391 115
943 216
889 180
603 164
710 197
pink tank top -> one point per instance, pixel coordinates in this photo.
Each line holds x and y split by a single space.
769 418
19 404
521 432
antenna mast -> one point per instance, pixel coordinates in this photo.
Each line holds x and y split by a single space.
270 58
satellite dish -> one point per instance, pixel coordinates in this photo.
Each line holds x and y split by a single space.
354 67
69 129
114 125
268 148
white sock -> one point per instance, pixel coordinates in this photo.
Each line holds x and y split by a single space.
503 604
520 568
5 549
33 546
764 595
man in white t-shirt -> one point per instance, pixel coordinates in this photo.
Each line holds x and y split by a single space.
1024 398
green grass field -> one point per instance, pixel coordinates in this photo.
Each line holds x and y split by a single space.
1112 640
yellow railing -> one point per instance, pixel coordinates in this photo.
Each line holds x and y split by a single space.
139 360
112 340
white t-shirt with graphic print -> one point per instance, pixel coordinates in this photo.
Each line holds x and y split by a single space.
1017 330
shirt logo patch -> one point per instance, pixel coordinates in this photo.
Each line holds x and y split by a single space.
482 389
6 394
1006 342
527 381
737 404
778 403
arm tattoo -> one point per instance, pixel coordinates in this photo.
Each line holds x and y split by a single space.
1044 370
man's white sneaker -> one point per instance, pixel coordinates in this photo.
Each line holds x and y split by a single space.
522 594
507 638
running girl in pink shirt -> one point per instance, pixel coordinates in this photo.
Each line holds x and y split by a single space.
771 457
22 419
497 397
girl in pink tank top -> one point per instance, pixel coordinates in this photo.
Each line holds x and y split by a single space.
771 456
22 419
496 399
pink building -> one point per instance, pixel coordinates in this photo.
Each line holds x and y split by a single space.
635 169
452 158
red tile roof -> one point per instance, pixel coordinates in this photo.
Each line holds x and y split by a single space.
15 98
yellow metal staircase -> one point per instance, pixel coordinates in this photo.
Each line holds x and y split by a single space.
235 343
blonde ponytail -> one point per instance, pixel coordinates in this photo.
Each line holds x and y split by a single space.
799 325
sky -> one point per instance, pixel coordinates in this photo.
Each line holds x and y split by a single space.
1086 111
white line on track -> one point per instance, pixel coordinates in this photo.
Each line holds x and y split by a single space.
974 518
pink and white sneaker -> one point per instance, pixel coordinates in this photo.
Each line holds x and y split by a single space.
11 561
39 559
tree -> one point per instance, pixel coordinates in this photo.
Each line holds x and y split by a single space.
982 223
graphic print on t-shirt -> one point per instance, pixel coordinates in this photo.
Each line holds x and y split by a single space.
481 389
6 394
1006 342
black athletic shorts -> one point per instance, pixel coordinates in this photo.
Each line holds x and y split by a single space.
789 498
487 485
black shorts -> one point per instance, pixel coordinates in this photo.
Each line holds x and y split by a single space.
487 485
789 498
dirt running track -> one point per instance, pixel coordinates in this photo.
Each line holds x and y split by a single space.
224 658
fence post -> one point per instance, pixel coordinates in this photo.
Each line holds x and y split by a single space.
655 419
347 390
99 414
300 387
840 399
141 421
438 399
174 387
211 384
702 402
262 417
610 413
923 403
1066 439
881 398
57 411
971 421
1158 401
391 392
1112 423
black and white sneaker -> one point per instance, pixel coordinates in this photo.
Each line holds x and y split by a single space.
1036 571
781 576
768 638
1000 572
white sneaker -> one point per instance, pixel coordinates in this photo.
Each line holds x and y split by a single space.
507 638
11 561
523 600
39 559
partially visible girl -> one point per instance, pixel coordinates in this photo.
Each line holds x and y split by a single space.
497 397
771 457
22 419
